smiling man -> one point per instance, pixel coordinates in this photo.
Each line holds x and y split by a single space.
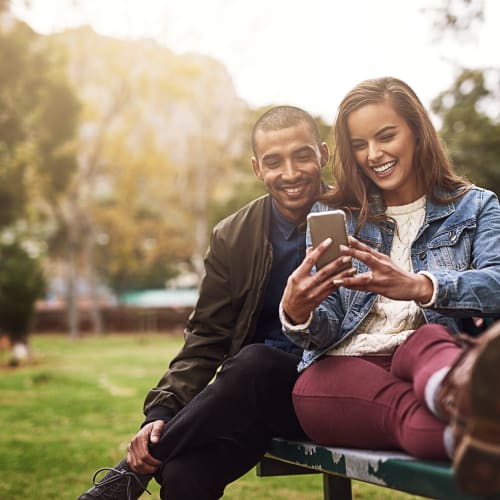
198 437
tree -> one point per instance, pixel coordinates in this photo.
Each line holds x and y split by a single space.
457 17
469 108
471 135
37 120
22 282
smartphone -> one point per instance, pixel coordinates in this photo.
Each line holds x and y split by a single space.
330 224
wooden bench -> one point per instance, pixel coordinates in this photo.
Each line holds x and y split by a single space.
340 465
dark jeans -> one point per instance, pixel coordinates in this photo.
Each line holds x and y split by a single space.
225 430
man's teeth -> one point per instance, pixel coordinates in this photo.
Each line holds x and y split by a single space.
293 189
385 167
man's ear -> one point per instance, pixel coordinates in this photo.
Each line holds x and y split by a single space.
256 168
325 154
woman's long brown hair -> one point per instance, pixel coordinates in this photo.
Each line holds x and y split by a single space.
433 166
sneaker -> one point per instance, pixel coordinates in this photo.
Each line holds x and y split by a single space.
120 483
470 398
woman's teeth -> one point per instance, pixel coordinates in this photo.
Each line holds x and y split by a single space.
385 167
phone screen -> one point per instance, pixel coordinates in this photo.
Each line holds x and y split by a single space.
330 224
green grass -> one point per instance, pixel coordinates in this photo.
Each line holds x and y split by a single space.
75 407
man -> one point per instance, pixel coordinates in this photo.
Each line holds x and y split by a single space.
198 437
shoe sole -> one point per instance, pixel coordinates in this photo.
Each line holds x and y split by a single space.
477 458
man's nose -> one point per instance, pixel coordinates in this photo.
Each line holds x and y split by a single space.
289 169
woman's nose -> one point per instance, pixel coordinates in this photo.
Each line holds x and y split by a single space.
374 152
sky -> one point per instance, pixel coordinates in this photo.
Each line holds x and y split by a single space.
308 53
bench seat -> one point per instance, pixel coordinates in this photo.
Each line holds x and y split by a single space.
340 465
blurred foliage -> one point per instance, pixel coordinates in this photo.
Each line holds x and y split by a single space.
158 136
38 117
22 282
470 133
456 17
126 182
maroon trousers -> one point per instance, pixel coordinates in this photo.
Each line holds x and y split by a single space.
377 402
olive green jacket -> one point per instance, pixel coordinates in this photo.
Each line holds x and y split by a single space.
237 267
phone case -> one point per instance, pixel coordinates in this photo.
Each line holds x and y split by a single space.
324 225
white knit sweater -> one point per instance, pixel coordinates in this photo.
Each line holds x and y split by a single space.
390 322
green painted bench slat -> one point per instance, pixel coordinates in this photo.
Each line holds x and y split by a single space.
339 465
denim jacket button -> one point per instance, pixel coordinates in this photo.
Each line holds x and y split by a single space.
422 255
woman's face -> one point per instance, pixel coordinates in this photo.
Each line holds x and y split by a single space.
383 145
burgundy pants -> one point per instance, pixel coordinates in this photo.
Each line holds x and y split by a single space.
377 402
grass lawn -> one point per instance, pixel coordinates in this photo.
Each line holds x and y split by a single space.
75 407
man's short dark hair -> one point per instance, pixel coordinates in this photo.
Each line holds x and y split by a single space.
281 117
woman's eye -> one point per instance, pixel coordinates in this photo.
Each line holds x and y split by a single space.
386 138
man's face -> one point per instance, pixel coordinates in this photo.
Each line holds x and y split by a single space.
289 162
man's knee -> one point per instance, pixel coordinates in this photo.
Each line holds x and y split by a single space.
262 362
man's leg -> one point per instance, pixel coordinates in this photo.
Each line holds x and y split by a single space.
252 388
203 473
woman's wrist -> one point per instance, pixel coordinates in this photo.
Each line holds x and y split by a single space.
291 323
427 290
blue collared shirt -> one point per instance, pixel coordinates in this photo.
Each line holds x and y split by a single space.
288 240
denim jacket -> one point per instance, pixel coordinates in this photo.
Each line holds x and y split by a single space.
458 243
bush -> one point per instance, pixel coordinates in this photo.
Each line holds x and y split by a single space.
22 282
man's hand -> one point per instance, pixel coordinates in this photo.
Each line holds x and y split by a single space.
138 457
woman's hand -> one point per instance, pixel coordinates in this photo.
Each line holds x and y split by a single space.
385 277
305 291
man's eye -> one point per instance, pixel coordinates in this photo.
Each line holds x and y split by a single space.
272 164
304 157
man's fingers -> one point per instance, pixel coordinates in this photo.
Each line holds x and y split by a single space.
156 431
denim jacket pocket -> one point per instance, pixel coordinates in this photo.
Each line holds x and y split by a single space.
452 248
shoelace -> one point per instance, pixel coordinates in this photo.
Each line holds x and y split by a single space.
120 474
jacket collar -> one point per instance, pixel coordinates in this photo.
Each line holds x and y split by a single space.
433 211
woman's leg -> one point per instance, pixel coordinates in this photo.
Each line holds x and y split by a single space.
430 351
349 401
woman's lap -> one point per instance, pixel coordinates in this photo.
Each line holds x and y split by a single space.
352 402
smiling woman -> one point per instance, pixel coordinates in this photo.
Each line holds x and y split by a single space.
384 145
382 366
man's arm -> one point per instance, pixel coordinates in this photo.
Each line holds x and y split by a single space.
207 340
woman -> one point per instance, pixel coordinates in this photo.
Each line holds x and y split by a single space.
384 370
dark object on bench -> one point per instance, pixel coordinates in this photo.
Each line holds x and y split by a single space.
340 465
